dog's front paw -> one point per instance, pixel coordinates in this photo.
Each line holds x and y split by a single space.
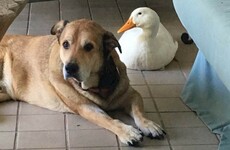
152 130
130 136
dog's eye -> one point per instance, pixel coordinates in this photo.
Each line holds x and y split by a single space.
88 47
66 45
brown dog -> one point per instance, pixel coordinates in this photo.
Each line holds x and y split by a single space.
75 71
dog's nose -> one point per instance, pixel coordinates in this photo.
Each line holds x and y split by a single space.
71 68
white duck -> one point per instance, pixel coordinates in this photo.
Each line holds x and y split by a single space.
146 44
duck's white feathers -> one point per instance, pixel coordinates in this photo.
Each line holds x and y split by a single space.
145 51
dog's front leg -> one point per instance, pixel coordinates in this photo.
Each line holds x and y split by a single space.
126 133
90 111
136 111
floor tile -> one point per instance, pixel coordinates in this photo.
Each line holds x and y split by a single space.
127 6
28 109
46 25
171 75
45 149
191 136
41 23
112 15
113 29
40 31
7 123
130 71
44 29
95 148
149 105
169 20
154 117
23 16
147 148
7 140
17 31
181 119
8 108
41 139
149 142
41 11
172 91
102 3
40 122
74 9
163 4
171 105
19 25
196 147
78 122
136 79
186 53
91 138
143 90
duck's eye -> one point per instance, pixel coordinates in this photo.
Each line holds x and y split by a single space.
66 45
88 47
139 13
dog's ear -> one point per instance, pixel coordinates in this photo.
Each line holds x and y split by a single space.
109 76
58 28
110 42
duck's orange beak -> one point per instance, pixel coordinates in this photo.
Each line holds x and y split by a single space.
128 25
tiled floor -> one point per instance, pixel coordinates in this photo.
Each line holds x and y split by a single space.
24 126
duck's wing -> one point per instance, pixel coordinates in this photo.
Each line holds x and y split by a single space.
164 36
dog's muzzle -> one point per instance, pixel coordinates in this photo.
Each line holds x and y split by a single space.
70 70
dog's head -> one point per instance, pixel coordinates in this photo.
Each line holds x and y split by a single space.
85 49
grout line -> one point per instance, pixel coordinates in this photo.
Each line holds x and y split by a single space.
157 111
118 143
16 127
146 3
90 11
28 19
36 114
119 9
60 12
66 133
